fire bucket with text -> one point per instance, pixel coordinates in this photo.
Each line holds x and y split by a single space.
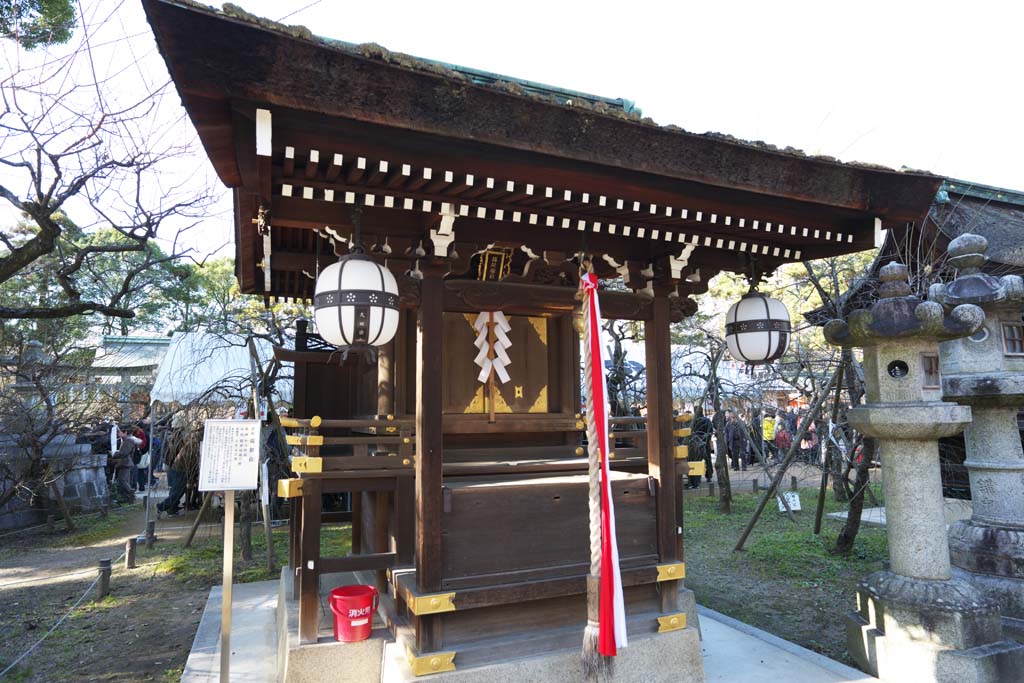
353 608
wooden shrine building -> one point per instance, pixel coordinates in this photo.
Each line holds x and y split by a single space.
480 194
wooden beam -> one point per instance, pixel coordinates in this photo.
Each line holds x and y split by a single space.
337 161
356 169
309 574
660 454
288 165
378 174
312 164
429 429
358 563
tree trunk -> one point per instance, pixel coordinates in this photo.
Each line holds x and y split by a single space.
837 466
844 542
63 506
721 453
245 526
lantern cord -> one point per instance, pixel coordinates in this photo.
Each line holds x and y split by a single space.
357 232
754 278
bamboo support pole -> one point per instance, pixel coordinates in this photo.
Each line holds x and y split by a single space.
823 487
777 479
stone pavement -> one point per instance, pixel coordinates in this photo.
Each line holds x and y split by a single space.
733 652
955 509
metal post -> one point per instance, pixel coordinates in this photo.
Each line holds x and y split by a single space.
149 473
104 583
225 610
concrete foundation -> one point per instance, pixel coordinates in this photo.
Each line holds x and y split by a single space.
918 630
732 652
673 656
651 657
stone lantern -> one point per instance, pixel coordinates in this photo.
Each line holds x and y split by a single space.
915 621
986 372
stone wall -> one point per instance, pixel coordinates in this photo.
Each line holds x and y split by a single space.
83 482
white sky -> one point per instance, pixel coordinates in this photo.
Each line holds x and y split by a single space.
927 85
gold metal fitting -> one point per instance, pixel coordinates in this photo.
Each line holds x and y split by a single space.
671 622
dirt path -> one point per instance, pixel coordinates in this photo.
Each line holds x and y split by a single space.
141 632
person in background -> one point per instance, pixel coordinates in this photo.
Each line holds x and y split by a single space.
768 434
701 442
735 441
143 471
176 481
809 444
156 458
124 465
783 440
790 419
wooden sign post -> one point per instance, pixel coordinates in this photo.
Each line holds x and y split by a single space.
229 461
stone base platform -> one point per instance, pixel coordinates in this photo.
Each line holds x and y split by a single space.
732 652
650 657
673 656
327 659
942 631
1007 592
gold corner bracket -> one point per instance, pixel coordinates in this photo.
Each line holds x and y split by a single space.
307 464
671 572
671 622
435 603
289 488
432 663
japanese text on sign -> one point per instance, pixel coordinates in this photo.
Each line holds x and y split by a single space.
230 455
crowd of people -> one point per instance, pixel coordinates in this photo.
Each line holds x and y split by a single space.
138 453
758 437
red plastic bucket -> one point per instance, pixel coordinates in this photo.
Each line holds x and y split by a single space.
353 608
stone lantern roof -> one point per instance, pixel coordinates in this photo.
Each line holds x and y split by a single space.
967 253
897 314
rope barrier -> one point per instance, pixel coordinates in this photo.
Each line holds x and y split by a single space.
53 628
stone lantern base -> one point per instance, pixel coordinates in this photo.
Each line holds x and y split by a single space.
991 558
908 629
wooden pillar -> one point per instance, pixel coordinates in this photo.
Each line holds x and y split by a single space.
661 463
383 514
386 379
382 509
295 544
404 520
309 552
429 451
356 503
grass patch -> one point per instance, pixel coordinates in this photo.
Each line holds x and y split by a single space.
16 675
800 554
787 580
172 675
90 608
95 529
203 562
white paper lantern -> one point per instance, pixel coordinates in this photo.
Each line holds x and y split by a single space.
757 329
356 303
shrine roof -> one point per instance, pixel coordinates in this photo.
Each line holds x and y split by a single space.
359 124
960 206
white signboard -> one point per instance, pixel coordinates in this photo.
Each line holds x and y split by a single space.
793 498
230 455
